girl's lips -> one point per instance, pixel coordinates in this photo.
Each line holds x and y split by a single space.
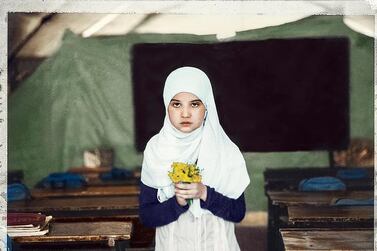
185 123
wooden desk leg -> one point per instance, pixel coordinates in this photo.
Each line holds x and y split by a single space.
122 245
15 246
274 239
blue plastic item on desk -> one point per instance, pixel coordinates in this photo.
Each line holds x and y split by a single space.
116 174
325 183
354 202
17 191
62 180
352 174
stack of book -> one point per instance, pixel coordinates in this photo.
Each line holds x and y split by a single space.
27 224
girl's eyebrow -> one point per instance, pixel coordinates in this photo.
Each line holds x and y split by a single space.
176 100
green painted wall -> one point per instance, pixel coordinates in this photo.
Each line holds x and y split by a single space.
81 98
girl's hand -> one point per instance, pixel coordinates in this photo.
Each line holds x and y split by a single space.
191 191
181 201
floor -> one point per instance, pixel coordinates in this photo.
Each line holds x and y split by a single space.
252 238
251 233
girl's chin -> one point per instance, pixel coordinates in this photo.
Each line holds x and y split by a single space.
186 129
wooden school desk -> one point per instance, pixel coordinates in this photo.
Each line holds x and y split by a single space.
287 207
307 172
341 216
285 198
87 191
327 239
89 209
289 178
92 176
280 201
86 206
101 235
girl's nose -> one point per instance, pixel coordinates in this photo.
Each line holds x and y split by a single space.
186 113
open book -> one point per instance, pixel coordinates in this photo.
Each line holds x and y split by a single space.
26 224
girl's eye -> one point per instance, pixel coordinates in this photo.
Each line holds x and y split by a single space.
195 104
176 104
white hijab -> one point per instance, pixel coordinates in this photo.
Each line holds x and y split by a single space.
222 164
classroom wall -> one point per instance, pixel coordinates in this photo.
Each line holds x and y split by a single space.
81 98
361 97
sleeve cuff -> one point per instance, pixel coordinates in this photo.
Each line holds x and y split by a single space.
178 208
207 203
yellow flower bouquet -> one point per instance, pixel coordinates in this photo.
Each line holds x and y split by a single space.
186 173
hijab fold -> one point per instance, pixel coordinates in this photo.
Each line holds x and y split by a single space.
222 164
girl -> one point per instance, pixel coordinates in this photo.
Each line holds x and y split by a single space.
192 134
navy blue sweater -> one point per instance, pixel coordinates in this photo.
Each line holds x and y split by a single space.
154 214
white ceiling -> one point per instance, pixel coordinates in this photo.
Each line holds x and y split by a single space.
39 34
35 28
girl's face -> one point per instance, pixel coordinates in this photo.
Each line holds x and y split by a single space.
186 112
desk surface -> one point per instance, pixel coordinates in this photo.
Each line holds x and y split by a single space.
330 214
82 231
92 176
75 204
86 191
289 178
305 172
87 170
96 181
327 239
293 184
314 198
